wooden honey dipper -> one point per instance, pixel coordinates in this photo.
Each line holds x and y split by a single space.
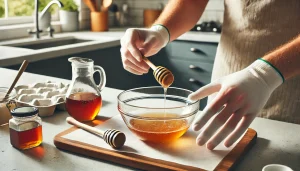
112 137
162 75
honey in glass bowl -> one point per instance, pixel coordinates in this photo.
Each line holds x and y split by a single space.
159 130
154 116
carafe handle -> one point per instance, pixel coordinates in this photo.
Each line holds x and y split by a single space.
101 71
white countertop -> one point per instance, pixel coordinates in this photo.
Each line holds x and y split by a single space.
278 142
12 55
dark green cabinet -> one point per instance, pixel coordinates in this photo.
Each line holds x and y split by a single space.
108 58
188 50
190 62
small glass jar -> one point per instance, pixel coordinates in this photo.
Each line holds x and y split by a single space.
25 128
5 115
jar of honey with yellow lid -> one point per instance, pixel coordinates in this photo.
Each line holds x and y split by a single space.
25 128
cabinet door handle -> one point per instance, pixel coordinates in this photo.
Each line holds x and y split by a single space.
197 82
194 67
196 50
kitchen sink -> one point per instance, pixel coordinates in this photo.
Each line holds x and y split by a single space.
48 43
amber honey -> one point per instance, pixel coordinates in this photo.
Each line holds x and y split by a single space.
26 139
83 106
159 130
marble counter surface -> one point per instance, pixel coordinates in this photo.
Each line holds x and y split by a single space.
278 142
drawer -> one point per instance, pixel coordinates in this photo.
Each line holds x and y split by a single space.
190 83
203 103
183 81
191 70
192 50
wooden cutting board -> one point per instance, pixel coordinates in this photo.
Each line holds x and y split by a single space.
146 163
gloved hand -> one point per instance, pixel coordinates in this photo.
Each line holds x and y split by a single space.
138 42
243 94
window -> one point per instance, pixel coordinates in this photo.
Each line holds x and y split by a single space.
20 8
22 11
2 10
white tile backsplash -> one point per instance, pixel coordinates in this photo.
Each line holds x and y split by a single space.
213 11
217 5
141 4
85 14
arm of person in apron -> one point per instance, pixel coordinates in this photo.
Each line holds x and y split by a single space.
241 95
178 17
286 58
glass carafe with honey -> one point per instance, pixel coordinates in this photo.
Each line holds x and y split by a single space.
83 98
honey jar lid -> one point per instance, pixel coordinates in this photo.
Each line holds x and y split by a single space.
24 111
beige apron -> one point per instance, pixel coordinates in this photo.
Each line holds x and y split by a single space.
252 28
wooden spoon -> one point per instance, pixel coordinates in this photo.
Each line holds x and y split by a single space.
91 4
162 75
20 72
112 137
105 5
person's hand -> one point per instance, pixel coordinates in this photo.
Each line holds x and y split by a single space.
138 42
242 94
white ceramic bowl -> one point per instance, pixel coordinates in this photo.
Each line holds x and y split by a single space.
276 167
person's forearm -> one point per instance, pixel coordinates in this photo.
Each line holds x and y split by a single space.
286 58
179 16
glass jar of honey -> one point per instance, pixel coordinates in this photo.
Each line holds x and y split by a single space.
25 128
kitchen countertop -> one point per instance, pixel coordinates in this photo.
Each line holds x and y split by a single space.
278 142
13 55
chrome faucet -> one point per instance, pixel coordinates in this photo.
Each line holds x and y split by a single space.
36 11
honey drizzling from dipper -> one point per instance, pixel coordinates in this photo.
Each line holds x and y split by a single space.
162 75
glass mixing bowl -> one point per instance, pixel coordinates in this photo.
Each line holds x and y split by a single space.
4 111
153 118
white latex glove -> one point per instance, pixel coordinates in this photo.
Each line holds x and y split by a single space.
243 94
138 42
